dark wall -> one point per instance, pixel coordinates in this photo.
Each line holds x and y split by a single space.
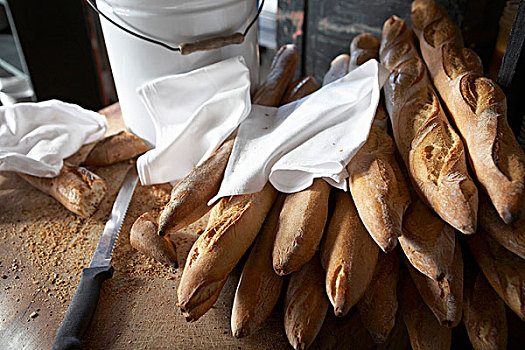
57 48
324 28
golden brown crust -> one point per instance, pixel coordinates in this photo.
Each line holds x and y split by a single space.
338 69
305 305
300 88
483 313
143 237
424 330
478 107
348 254
443 297
377 185
378 307
189 198
76 188
504 270
421 18
259 287
379 191
116 148
427 241
510 236
281 73
363 47
300 227
219 249
457 61
431 149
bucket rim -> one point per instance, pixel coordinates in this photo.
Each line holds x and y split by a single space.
165 6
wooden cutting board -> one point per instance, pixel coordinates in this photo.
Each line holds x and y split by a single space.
43 248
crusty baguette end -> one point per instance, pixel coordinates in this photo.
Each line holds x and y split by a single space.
143 237
76 188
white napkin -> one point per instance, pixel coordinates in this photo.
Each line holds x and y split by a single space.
314 137
36 137
193 114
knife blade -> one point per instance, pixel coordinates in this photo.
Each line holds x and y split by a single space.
82 308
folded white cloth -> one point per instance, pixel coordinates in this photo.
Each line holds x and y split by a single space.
36 137
314 137
193 114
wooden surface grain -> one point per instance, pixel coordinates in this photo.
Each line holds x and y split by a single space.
43 248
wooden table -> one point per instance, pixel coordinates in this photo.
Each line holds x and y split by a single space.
43 248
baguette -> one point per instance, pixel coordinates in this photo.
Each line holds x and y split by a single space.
504 270
429 146
478 107
363 47
511 236
259 287
378 307
76 188
427 241
300 227
189 198
424 330
398 338
109 150
483 313
338 69
219 249
300 88
377 185
305 305
303 217
443 297
348 255
281 73
143 237
116 148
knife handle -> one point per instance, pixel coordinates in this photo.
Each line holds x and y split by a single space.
82 308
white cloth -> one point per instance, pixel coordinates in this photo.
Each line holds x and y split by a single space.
314 137
193 114
36 137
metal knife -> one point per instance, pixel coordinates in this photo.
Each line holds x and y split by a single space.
82 308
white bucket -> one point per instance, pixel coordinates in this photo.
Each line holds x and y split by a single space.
134 61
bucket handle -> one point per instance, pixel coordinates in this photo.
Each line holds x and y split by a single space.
187 48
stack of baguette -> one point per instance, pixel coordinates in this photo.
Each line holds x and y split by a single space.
452 265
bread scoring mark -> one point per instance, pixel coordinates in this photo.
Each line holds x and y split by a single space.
480 93
424 12
213 234
413 116
459 60
393 44
440 31
393 29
